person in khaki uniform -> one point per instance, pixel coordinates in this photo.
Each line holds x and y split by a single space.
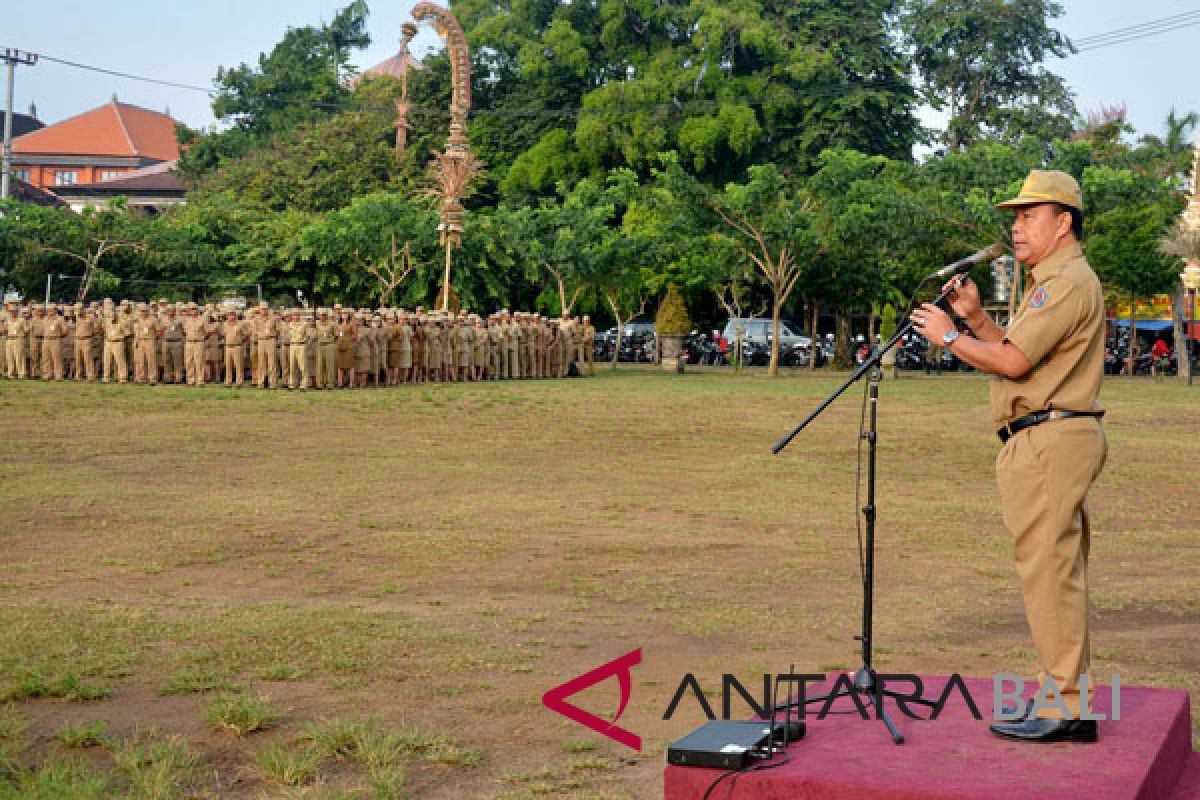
68 342
346 332
1048 364
404 349
37 326
172 345
327 340
587 345
145 348
195 334
115 327
86 328
266 331
297 329
20 333
126 312
54 330
235 333
310 348
20 330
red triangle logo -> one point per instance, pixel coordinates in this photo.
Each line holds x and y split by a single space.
556 698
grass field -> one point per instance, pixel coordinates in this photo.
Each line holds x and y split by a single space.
211 593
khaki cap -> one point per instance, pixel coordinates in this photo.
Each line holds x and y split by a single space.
1047 186
192 306
142 307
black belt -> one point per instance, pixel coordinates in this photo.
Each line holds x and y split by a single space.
1037 418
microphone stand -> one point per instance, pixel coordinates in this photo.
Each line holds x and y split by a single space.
865 681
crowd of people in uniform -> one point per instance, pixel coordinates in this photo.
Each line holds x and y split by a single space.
296 348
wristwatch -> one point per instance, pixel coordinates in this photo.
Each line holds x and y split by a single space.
949 337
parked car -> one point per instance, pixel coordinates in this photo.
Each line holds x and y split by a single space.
758 329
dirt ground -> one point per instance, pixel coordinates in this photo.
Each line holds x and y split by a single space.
435 558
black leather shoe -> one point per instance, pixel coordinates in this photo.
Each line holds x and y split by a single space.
1009 709
1038 729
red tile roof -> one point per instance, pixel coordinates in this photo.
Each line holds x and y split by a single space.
395 66
114 129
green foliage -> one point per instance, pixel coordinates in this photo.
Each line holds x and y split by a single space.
241 713
887 322
981 61
672 317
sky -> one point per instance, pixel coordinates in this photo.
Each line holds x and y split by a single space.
186 40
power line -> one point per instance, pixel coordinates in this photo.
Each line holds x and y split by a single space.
1088 41
1132 37
128 75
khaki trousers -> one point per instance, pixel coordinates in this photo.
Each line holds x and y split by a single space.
514 363
172 361
327 365
145 361
235 371
268 366
83 360
52 358
14 358
35 357
114 358
1044 475
297 366
193 361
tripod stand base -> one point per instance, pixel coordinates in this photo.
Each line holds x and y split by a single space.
864 693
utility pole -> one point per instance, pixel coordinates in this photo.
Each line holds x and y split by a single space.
11 59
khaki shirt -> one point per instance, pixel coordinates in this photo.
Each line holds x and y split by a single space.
196 330
172 328
19 328
265 327
86 327
54 328
327 333
235 333
116 328
1060 329
297 332
146 330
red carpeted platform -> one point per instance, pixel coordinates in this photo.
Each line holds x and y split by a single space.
1146 754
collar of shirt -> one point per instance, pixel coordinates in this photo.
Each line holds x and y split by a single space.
1053 263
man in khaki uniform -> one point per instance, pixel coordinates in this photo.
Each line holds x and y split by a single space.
115 326
195 335
234 332
172 345
588 345
86 328
126 313
145 346
1048 364
327 338
54 330
37 327
266 330
20 331
297 330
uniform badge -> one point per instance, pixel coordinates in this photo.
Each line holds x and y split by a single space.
1039 298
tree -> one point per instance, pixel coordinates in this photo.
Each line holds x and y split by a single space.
981 61
1124 237
301 80
368 249
41 241
770 223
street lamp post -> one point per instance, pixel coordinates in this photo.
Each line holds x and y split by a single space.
1191 282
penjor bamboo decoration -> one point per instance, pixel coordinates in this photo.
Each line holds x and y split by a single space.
454 169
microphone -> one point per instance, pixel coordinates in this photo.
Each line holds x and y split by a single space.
965 265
